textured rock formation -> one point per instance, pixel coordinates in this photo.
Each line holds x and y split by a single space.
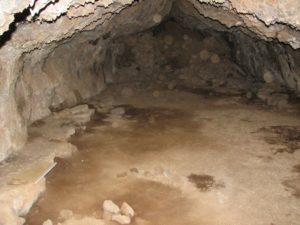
43 64
56 54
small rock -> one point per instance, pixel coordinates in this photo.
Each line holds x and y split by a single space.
111 207
48 222
156 94
157 18
121 219
127 210
204 54
120 111
215 59
268 77
65 214
127 92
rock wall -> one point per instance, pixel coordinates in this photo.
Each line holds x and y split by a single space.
48 66
253 52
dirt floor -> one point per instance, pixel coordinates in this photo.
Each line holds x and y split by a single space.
180 158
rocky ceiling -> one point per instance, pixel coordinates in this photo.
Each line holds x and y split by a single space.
267 18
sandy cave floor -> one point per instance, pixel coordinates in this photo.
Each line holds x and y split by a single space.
180 158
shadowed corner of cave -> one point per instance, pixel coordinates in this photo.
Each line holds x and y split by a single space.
153 112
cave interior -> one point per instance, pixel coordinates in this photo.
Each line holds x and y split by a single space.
159 107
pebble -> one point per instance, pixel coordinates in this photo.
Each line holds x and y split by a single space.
127 210
121 219
111 207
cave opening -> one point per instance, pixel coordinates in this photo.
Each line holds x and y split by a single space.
148 112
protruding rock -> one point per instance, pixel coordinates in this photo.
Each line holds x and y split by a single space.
127 210
121 219
110 206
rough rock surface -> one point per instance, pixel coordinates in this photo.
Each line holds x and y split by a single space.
111 207
46 71
54 54
21 177
279 20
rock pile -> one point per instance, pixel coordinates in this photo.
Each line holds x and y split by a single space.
112 212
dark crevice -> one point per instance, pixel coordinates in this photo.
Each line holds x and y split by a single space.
19 18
